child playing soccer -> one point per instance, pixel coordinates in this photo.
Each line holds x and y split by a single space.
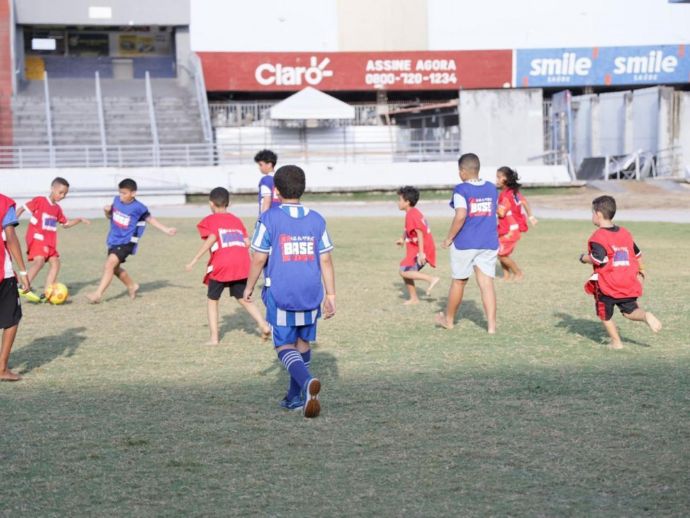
511 220
41 236
292 247
266 160
10 308
473 241
617 271
225 237
128 218
419 243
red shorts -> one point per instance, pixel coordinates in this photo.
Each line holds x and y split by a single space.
39 249
506 243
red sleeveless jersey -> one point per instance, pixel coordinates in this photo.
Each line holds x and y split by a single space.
229 260
508 206
5 205
617 273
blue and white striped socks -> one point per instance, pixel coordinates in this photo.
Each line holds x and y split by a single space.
298 366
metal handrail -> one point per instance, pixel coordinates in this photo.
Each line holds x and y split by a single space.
152 120
101 116
202 100
49 119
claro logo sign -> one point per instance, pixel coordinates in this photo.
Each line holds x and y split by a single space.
280 74
602 66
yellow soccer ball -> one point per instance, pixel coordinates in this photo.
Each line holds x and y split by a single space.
57 293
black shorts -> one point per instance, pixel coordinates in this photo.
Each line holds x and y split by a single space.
604 306
10 308
215 288
122 251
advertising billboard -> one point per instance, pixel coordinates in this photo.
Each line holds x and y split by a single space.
602 66
353 71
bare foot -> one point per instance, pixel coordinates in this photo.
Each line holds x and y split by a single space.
212 342
440 320
433 283
507 278
93 298
8 375
411 302
653 322
266 334
519 277
133 291
616 345
491 330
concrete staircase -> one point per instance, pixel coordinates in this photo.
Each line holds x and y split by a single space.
74 113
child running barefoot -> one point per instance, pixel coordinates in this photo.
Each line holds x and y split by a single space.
128 218
615 259
508 222
419 244
225 237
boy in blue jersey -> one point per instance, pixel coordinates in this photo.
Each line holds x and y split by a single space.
128 218
473 241
293 249
266 160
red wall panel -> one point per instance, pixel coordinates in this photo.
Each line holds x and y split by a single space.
334 71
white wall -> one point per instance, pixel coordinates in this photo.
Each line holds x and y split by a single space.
330 25
500 24
502 126
266 25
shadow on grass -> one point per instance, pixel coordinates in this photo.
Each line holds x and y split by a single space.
45 349
323 366
76 287
591 329
469 310
239 319
146 287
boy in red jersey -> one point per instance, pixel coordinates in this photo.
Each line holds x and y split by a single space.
617 271
41 236
419 244
225 237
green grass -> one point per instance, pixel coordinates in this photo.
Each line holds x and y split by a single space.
123 412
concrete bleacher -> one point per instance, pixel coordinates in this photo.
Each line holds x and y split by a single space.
74 113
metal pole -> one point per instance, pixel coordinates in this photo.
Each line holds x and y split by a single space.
606 168
637 166
152 121
101 119
49 120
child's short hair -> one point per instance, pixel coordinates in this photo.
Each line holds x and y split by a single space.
290 182
606 205
409 194
266 155
128 184
469 162
511 177
59 180
220 197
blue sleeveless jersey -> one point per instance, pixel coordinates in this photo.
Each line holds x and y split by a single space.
480 230
267 188
128 223
294 237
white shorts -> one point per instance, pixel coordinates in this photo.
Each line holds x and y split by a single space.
462 262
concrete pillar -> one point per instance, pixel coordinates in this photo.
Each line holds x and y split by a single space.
628 125
595 125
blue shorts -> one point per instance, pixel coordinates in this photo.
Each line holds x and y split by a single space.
288 335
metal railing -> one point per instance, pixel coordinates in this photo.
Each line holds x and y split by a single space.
49 119
227 114
197 73
101 114
235 152
556 158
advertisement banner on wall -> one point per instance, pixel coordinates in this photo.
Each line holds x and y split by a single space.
602 66
340 71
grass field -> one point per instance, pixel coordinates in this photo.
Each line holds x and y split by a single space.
123 412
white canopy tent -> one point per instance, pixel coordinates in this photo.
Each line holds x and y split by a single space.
312 104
